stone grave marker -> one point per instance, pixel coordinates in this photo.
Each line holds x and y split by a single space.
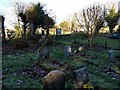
43 51
81 76
111 56
55 80
67 51
58 31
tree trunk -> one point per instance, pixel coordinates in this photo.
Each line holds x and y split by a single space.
119 29
47 31
19 32
111 29
24 32
90 39
43 33
33 28
96 31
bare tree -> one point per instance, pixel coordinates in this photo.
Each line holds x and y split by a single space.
21 14
91 19
17 9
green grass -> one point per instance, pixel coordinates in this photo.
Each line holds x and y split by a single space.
13 63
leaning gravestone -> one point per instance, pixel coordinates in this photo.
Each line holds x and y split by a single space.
81 77
43 51
43 40
55 80
67 51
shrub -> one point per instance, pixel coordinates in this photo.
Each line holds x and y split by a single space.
19 44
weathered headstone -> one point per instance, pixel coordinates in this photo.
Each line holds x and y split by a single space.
111 56
67 51
114 55
43 40
43 51
55 80
81 77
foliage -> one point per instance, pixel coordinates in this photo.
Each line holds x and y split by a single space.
18 32
34 12
93 18
88 85
65 25
112 18
13 62
48 23
21 13
34 15
74 23
39 17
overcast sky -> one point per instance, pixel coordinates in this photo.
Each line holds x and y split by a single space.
61 8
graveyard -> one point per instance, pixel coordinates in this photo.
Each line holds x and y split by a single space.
22 69
41 50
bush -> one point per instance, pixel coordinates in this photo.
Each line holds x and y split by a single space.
19 44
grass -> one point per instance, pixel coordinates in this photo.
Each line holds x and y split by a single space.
14 62
12 65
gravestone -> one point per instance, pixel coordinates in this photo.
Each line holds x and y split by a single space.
58 31
81 77
67 51
55 80
111 56
43 40
114 55
43 51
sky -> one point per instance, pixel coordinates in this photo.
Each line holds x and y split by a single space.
61 8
